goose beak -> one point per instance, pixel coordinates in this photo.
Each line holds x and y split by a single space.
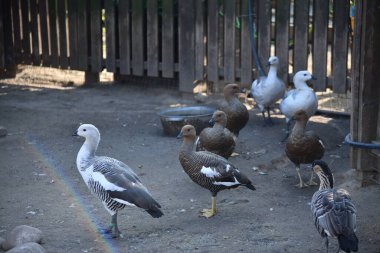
75 134
180 135
211 122
313 77
268 63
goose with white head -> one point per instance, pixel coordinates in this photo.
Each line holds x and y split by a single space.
112 181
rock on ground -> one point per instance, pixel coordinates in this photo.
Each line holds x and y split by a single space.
30 247
3 131
20 235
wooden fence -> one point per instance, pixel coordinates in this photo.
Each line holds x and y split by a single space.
184 40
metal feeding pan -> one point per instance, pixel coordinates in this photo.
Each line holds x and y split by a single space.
173 119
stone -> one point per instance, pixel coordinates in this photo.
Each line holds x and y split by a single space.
20 235
3 131
30 247
2 240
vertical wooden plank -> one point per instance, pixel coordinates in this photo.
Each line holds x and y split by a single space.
369 90
137 38
152 38
199 40
9 56
34 29
301 31
246 50
96 36
212 43
186 27
229 41
282 37
16 29
110 35
82 35
42 8
355 82
321 16
264 26
167 43
72 9
63 60
53 33
125 37
25 42
340 46
2 49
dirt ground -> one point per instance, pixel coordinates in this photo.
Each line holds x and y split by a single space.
41 187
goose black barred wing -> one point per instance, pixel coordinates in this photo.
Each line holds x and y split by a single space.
333 212
121 183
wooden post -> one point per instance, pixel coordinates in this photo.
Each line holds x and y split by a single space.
365 89
186 27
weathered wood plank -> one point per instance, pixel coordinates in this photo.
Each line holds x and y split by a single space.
42 9
263 30
229 41
355 82
137 38
96 36
369 91
282 37
2 49
25 42
82 35
152 38
73 33
63 60
340 46
9 56
34 30
186 27
167 29
53 33
212 43
124 37
16 29
246 50
321 15
301 31
199 40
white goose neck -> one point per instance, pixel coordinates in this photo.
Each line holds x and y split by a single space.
301 84
272 71
87 152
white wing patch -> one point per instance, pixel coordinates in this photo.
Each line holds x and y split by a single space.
107 185
210 172
227 183
320 141
228 167
124 202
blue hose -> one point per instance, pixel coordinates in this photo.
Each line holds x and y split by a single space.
356 144
251 33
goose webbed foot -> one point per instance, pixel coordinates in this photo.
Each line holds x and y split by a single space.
311 180
208 213
301 184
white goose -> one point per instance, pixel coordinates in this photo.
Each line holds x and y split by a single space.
112 181
266 90
301 98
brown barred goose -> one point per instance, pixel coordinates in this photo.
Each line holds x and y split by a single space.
333 211
237 113
217 139
208 170
303 147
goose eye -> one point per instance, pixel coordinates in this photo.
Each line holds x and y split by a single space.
84 130
305 74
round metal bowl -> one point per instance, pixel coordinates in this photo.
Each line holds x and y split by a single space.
173 119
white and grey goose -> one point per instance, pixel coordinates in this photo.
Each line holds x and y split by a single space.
112 181
302 97
266 90
333 211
